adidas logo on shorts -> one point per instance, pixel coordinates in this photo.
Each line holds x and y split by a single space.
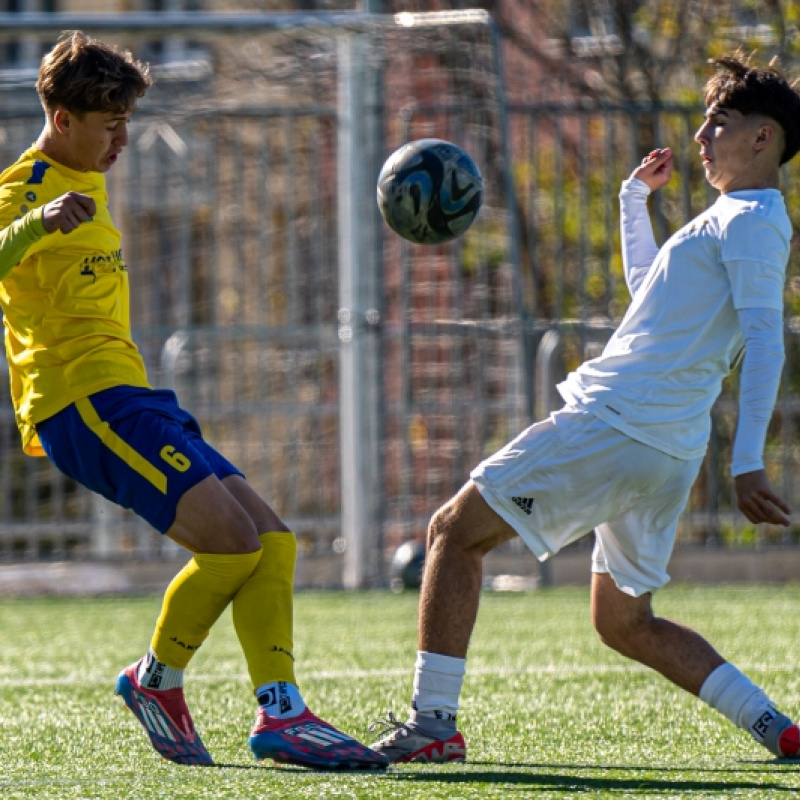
525 503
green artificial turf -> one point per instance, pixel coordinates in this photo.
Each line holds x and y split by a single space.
547 711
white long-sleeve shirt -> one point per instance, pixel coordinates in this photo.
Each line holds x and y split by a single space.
714 288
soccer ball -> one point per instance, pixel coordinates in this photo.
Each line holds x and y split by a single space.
407 565
430 191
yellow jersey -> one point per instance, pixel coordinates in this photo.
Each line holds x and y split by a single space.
65 297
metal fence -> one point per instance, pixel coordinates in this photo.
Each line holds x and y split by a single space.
354 378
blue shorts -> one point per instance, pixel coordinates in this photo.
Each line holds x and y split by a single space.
135 446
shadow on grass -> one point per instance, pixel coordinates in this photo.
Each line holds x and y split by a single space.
273 767
572 782
750 765
539 777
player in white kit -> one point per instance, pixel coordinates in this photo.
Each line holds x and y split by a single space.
622 454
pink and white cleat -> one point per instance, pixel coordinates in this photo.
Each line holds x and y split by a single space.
308 741
165 718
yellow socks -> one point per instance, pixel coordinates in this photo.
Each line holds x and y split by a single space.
260 588
194 601
263 611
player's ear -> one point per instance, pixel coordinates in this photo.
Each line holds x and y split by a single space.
61 120
764 136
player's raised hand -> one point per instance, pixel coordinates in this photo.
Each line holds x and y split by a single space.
655 169
67 212
757 501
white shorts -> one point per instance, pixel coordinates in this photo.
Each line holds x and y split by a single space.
572 473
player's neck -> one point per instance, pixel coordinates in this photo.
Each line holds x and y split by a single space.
49 144
751 180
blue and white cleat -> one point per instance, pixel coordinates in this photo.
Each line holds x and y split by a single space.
165 718
308 741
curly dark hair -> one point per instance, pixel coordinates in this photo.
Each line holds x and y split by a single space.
84 75
757 90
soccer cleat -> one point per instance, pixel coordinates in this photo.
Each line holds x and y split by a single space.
789 742
308 741
403 742
165 718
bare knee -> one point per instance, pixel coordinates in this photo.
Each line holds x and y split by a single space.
622 622
467 523
440 529
239 536
227 537
621 635
265 519
209 519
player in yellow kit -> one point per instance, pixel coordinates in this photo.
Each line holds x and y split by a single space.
81 397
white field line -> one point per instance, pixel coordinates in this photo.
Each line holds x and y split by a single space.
557 670
94 781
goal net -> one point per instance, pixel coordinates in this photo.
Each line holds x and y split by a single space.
257 257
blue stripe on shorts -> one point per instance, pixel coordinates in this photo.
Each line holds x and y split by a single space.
135 446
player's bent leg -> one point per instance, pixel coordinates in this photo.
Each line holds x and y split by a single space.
285 730
459 536
627 624
262 612
212 524
263 607
681 655
193 602
207 517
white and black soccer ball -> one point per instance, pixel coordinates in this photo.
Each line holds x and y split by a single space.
408 563
430 191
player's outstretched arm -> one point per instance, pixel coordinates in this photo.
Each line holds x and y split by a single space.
655 169
67 212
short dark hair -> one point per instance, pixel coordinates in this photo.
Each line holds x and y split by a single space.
84 74
757 90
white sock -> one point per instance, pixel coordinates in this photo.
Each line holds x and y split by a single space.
157 676
437 685
281 700
733 694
